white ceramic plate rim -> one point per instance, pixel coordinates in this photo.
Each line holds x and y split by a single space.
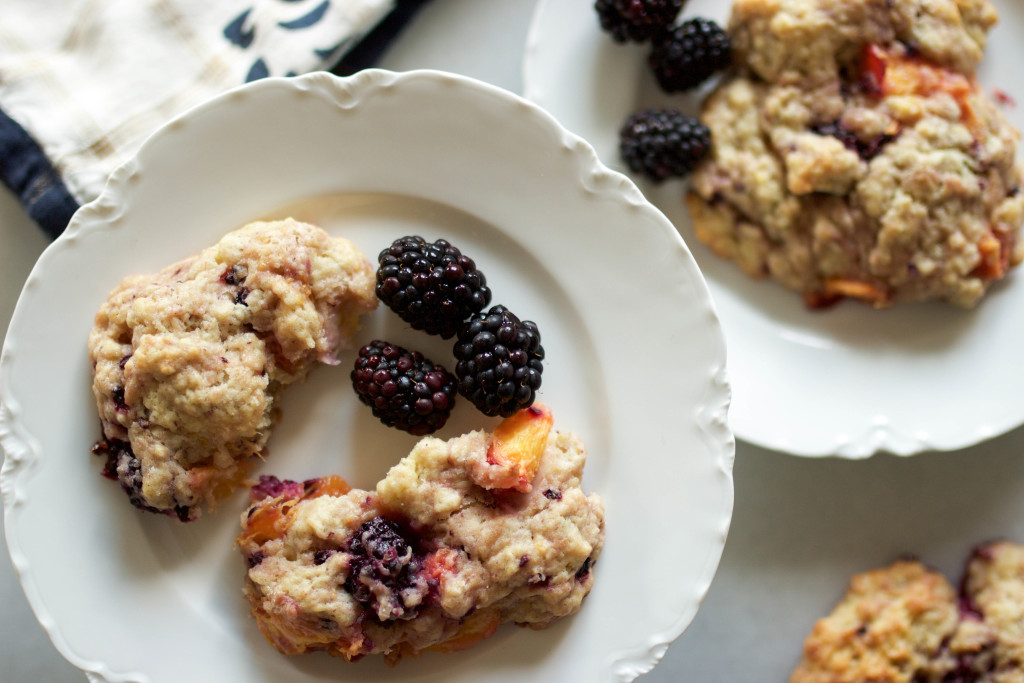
848 382
674 449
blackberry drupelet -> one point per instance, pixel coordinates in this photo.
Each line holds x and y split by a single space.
431 285
499 361
663 143
404 389
689 54
637 20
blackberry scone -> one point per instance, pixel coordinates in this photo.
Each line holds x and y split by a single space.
890 627
855 155
459 537
188 363
989 644
906 624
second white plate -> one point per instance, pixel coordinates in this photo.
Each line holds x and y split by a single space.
850 381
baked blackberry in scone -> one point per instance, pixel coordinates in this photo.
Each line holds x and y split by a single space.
459 537
855 155
890 627
989 644
187 363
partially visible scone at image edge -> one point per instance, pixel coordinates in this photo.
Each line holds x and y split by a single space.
988 646
188 363
855 155
905 623
459 537
889 627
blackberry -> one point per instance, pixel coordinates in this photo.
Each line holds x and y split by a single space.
404 389
663 143
122 466
690 54
430 285
637 20
499 361
384 570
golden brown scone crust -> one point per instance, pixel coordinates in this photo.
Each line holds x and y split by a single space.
888 628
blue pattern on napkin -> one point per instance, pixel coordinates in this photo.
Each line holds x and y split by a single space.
236 33
257 71
307 20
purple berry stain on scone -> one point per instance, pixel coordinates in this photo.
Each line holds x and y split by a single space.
122 466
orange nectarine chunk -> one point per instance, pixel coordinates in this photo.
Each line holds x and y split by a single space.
519 441
331 485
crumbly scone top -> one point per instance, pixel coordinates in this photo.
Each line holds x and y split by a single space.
187 362
854 153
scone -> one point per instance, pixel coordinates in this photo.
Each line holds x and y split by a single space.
890 627
989 644
855 155
460 536
906 624
188 363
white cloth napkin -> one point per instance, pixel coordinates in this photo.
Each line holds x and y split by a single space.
89 80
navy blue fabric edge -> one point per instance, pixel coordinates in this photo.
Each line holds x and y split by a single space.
27 171
372 46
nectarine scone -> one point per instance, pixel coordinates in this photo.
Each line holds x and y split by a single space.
187 363
459 537
855 155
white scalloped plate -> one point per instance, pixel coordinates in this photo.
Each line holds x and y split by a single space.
635 365
849 381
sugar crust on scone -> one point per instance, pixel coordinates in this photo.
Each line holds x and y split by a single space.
187 363
466 556
855 155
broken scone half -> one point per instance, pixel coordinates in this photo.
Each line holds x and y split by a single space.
459 537
188 363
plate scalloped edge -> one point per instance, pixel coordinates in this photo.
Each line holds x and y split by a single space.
22 453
